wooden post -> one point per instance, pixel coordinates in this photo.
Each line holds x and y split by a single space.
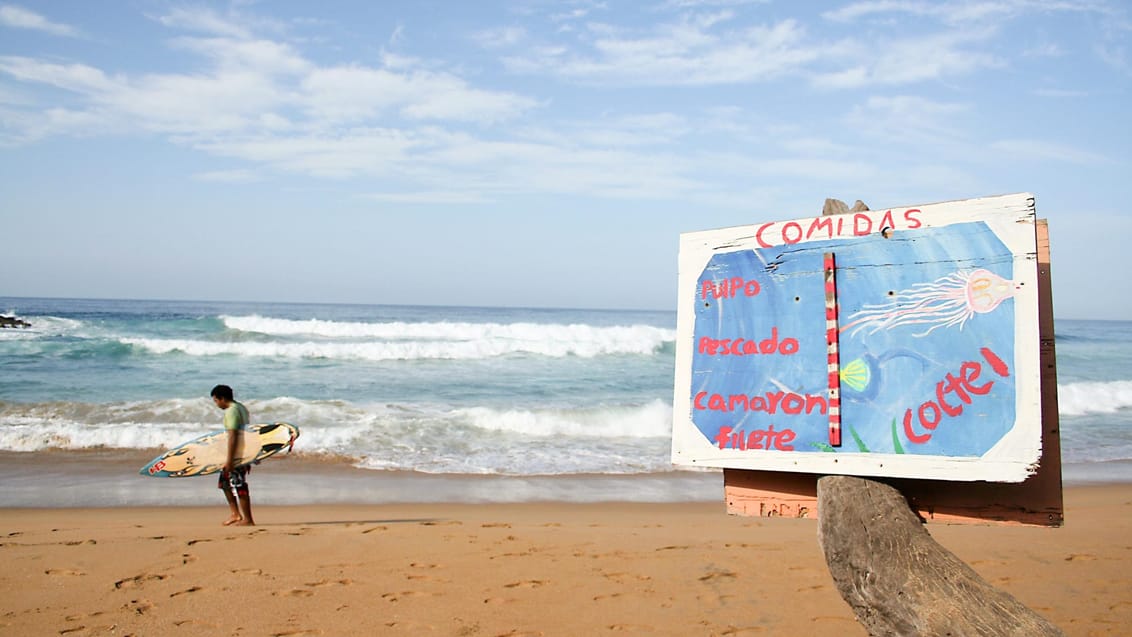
890 571
897 579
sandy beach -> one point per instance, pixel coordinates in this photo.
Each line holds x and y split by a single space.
508 569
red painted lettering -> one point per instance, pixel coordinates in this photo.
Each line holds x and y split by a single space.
862 224
913 437
886 221
767 438
791 233
759 235
996 363
748 347
769 402
729 288
819 224
962 386
913 220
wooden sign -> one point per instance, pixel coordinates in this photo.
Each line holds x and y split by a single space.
900 342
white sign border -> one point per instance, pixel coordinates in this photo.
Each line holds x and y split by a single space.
1012 459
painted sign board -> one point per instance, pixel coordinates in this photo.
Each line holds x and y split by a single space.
900 342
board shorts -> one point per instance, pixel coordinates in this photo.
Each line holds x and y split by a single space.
235 481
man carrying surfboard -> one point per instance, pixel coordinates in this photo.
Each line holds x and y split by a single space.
233 479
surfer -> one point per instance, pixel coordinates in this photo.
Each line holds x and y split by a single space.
234 480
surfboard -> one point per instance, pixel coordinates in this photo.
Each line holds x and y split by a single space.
206 454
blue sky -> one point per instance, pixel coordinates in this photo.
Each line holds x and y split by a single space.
534 153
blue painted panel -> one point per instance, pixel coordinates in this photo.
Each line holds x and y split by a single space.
927 335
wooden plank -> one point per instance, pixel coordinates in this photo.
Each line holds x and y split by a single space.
1037 501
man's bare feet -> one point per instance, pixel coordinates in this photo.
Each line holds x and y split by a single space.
235 519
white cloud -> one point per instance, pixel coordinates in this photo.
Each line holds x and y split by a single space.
21 18
204 20
1059 93
695 4
909 60
694 51
427 197
339 154
238 176
909 120
18 127
1038 150
261 56
419 132
502 37
960 11
355 93
79 78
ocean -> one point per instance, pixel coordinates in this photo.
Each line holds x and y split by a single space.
406 404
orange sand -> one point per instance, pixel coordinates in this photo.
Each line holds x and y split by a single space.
527 569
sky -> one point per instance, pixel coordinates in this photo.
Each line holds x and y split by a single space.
534 153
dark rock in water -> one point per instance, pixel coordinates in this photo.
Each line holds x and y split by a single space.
11 321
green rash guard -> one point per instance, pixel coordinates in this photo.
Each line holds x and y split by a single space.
235 417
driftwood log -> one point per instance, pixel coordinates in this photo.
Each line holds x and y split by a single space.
897 579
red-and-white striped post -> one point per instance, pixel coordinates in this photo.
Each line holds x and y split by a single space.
831 341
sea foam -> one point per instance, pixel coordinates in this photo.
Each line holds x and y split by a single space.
388 436
1077 399
411 341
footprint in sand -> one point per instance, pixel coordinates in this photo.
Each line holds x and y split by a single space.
296 592
1080 557
375 528
714 575
714 601
139 606
495 525
396 597
635 629
746 630
326 582
63 571
428 578
412 628
302 632
194 622
192 589
533 583
521 633
246 571
75 618
620 578
138 580
805 589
